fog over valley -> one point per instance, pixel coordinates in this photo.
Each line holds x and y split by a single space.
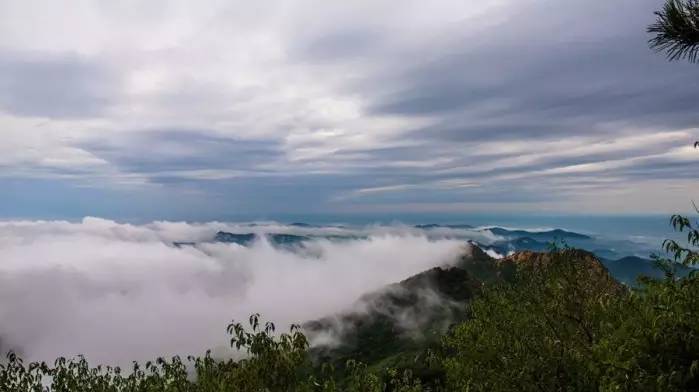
119 292
86 287
349 196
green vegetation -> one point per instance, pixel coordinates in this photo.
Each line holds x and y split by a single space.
567 326
554 321
536 334
677 30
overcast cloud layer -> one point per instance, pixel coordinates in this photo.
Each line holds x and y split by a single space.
118 292
189 109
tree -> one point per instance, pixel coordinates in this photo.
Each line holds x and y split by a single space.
565 325
272 363
537 334
652 343
677 30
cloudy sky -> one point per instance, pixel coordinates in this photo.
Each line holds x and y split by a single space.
199 109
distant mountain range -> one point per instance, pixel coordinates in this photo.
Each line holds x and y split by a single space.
548 235
436 226
246 239
393 326
625 269
628 269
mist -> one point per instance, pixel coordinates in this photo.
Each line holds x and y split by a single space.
120 292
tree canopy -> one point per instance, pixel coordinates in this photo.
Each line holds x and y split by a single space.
676 30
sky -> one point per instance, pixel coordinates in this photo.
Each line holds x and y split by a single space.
198 110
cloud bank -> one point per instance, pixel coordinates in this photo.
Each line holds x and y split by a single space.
119 292
182 110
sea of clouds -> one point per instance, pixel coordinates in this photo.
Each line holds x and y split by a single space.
120 292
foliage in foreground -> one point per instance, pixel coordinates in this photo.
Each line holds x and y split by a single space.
273 363
677 30
561 324
563 327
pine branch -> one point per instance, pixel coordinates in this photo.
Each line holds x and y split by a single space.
677 30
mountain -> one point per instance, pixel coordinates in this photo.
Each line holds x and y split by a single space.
504 247
628 269
429 226
248 238
529 259
546 236
287 239
181 244
231 238
301 224
393 326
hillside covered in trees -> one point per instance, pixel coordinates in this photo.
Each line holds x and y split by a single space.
560 319
552 320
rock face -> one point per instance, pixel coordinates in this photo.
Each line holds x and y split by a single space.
540 259
397 323
586 267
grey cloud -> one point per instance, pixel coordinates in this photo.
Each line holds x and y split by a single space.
339 45
548 71
153 152
54 85
526 84
558 82
573 95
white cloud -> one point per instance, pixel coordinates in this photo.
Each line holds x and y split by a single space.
456 97
119 292
223 68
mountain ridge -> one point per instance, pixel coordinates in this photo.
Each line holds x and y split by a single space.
402 321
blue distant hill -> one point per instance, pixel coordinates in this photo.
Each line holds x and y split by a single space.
429 226
301 224
625 269
247 238
240 239
549 235
628 269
